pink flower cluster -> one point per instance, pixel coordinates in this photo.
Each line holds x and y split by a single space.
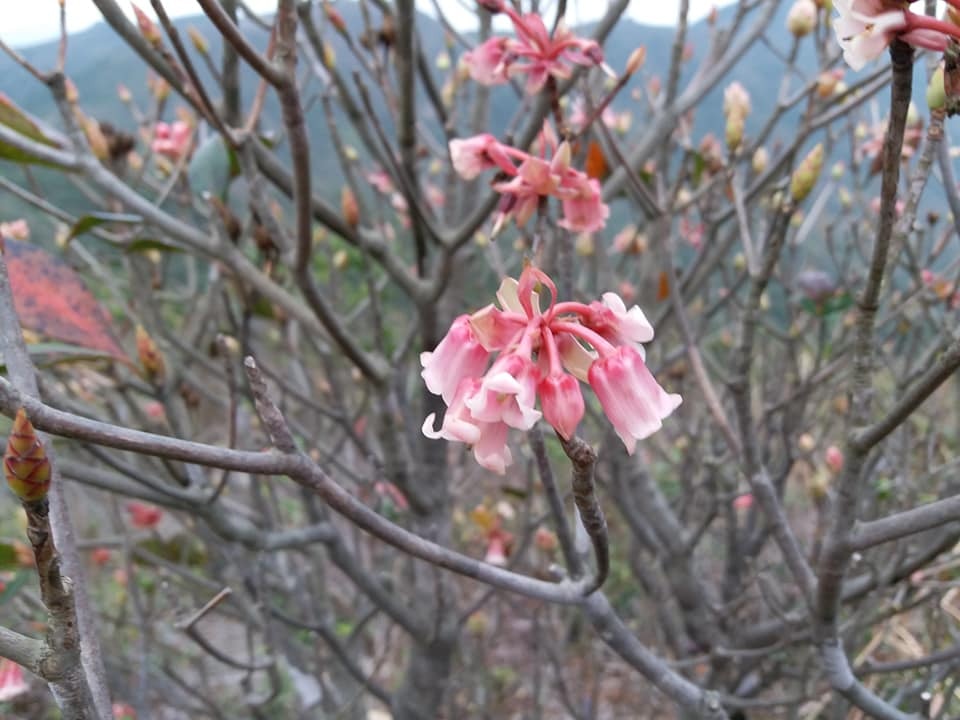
542 353
533 180
534 51
172 140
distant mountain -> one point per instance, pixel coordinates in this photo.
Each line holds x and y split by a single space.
99 61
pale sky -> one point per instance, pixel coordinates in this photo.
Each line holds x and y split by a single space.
25 23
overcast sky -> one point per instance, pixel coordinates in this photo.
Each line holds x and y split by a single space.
25 23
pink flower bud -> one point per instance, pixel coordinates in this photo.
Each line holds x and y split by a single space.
833 457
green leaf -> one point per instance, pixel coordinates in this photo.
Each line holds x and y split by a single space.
8 556
54 353
95 219
212 167
21 123
149 244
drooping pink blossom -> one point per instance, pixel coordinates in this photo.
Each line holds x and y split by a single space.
507 393
743 502
144 516
531 179
473 155
459 355
833 457
611 319
15 230
12 681
583 206
172 140
486 61
534 52
631 398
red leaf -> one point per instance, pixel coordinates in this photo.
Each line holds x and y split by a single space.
663 286
596 164
52 300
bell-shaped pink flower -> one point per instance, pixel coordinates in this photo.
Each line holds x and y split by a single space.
172 140
458 424
496 548
631 398
471 156
611 320
459 355
491 451
496 329
507 393
583 206
562 403
12 681
487 62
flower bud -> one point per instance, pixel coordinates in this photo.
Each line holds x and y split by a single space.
827 82
148 28
818 486
123 92
760 159
98 141
562 403
151 359
335 18
833 458
546 540
329 57
198 40
936 94
802 18
806 443
636 60
25 462
806 174
734 131
349 207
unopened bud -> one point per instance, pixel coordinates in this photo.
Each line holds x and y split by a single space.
833 458
25 462
151 359
341 258
802 18
734 131
198 40
936 94
349 207
818 487
335 18
546 540
123 92
148 28
827 82
760 159
98 142
806 174
584 245
806 443
161 89
329 57
636 60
